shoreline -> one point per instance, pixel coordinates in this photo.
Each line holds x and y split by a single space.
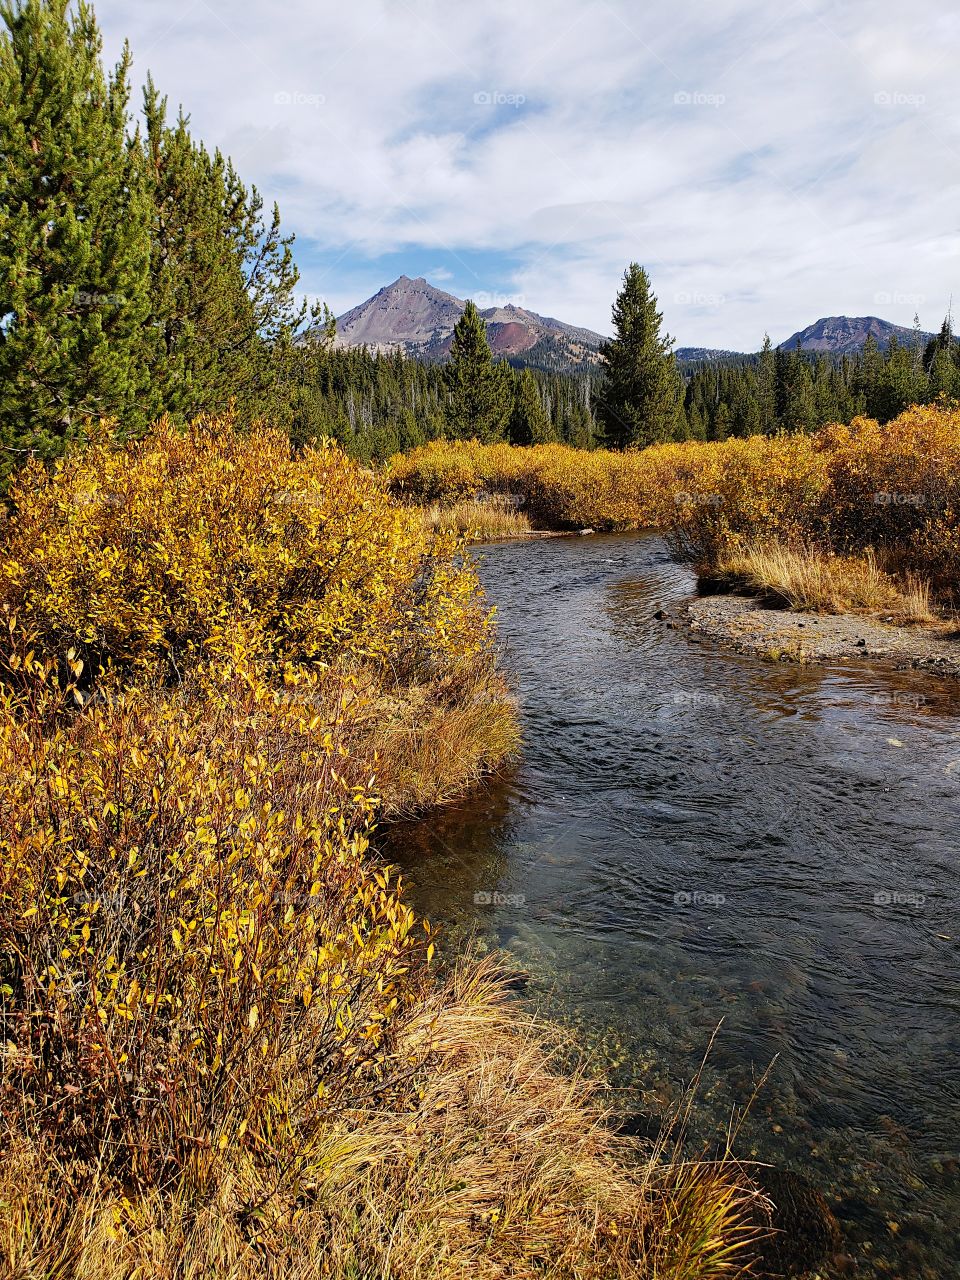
745 625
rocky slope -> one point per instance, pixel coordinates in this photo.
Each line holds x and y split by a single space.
843 335
418 319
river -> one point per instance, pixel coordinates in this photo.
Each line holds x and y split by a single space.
697 840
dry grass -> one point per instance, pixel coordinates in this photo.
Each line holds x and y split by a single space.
494 1166
478 519
808 579
431 742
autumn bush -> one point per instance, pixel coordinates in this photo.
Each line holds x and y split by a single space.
897 487
879 506
148 557
194 952
890 491
226 1049
554 485
145 562
701 489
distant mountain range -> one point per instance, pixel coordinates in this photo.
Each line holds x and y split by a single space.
844 335
415 317
697 355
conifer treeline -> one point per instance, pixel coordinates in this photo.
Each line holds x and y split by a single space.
792 390
140 276
376 405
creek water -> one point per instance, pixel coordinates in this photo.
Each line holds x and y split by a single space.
697 844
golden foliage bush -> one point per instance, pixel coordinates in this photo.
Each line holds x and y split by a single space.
193 949
224 1049
893 489
149 556
691 486
208 646
897 487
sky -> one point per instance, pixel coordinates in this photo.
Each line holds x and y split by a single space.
768 163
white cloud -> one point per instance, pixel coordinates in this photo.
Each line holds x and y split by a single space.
769 164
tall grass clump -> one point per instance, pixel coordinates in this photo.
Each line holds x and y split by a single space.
226 1048
479 519
804 579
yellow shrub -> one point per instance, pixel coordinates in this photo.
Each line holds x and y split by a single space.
897 486
893 488
149 557
192 948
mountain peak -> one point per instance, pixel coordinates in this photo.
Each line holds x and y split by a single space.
417 318
844 335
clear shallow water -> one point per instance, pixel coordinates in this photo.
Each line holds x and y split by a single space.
693 836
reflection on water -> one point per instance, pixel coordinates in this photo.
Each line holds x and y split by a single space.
693 836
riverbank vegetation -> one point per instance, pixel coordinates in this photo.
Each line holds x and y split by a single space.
802 578
227 1048
857 516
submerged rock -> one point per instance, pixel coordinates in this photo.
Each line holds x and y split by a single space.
640 1124
805 1232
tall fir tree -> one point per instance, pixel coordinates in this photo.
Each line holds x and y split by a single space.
869 375
74 231
480 394
767 386
223 310
639 398
529 422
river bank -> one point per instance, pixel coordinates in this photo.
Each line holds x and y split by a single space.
746 625
694 838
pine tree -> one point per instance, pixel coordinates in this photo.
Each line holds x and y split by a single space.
871 370
640 397
529 423
223 311
943 341
74 233
480 396
767 386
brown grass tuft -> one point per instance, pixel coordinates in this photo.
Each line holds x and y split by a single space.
494 1165
478 519
808 579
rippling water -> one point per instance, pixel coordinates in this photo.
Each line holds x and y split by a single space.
692 836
